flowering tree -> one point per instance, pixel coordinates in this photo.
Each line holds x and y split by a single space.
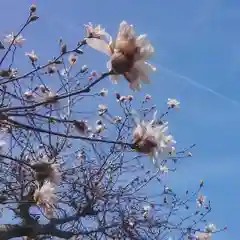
90 174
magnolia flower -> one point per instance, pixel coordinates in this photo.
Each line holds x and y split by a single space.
83 69
198 236
147 211
100 128
32 56
51 68
12 39
45 198
151 138
102 109
13 72
51 97
172 150
117 119
28 94
173 103
94 32
147 97
128 55
210 228
46 171
202 236
163 169
43 88
200 200
72 59
103 92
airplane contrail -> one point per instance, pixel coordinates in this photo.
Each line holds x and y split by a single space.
200 86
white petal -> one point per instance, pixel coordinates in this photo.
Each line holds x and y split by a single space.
144 70
145 46
99 45
132 76
136 85
126 31
115 78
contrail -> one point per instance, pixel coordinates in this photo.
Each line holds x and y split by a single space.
200 86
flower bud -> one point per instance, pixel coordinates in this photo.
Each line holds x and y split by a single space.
33 8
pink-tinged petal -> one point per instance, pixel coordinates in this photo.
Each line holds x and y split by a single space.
133 78
99 45
145 47
126 31
109 65
115 78
144 69
136 85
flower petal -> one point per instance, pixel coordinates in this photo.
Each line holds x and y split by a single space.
99 45
126 31
145 46
114 77
144 70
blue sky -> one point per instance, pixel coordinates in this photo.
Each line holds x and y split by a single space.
197 47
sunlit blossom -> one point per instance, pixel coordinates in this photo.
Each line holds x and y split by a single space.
94 31
16 40
173 103
163 169
117 119
84 69
72 58
128 55
28 94
200 200
148 211
100 128
103 92
202 236
147 97
32 56
102 109
210 228
151 138
45 198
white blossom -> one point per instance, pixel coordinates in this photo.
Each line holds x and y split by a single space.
32 56
28 94
128 55
10 38
210 228
102 109
151 138
200 200
202 236
163 169
95 31
103 92
173 103
45 198
147 211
